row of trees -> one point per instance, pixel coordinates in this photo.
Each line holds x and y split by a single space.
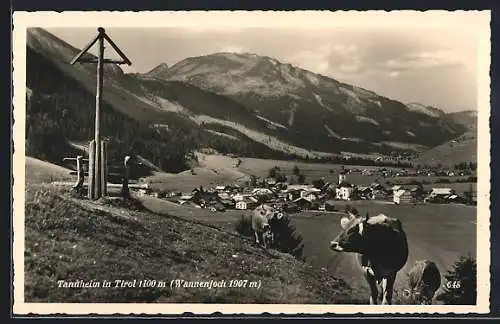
462 166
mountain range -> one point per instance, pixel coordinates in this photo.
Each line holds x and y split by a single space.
242 103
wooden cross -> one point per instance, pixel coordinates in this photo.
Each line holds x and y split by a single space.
97 150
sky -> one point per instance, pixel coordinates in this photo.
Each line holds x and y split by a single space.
432 64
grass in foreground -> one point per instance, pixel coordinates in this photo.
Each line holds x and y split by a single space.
71 239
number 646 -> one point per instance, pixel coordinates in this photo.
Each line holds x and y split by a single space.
453 284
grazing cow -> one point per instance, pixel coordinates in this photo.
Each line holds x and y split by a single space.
261 217
424 280
382 248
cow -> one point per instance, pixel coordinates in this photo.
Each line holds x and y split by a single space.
424 279
261 216
381 246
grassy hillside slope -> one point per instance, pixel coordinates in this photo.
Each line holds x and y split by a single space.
110 240
38 171
461 149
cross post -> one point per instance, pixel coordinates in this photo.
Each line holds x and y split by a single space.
97 149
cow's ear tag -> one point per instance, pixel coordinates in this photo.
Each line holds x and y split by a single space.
344 221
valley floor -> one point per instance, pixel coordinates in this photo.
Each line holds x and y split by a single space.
71 239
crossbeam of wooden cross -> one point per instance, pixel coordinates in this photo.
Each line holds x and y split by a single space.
101 35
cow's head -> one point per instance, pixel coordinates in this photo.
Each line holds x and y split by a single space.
350 239
270 214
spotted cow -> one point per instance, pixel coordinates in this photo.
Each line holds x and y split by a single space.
381 247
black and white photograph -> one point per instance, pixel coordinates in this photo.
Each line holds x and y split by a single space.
250 162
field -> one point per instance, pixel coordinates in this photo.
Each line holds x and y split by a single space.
38 171
186 181
455 151
314 171
147 238
440 233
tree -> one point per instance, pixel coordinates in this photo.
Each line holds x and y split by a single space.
318 184
273 172
460 287
253 180
302 179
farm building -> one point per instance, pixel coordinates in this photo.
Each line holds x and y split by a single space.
261 191
379 194
442 191
294 194
247 203
403 196
270 181
303 203
344 191
378 186
365 192
223 195
439 195
297 187
342 177
241 205
238 197
310 194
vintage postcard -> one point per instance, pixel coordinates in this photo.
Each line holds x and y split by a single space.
246 162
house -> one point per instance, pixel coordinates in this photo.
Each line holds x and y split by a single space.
396 188
342 177
294 194
238 197
242 205
439 195
442 191
223 195
303 203
344 191
403 196
330 205
310 194
186 197
378 186
365 192
228 203
247 203
290 188
220 188
188 203
379 194
174 194
261 191
270 181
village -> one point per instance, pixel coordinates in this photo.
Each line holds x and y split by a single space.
319 196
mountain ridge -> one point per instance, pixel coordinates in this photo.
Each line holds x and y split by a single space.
277 91
320 122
